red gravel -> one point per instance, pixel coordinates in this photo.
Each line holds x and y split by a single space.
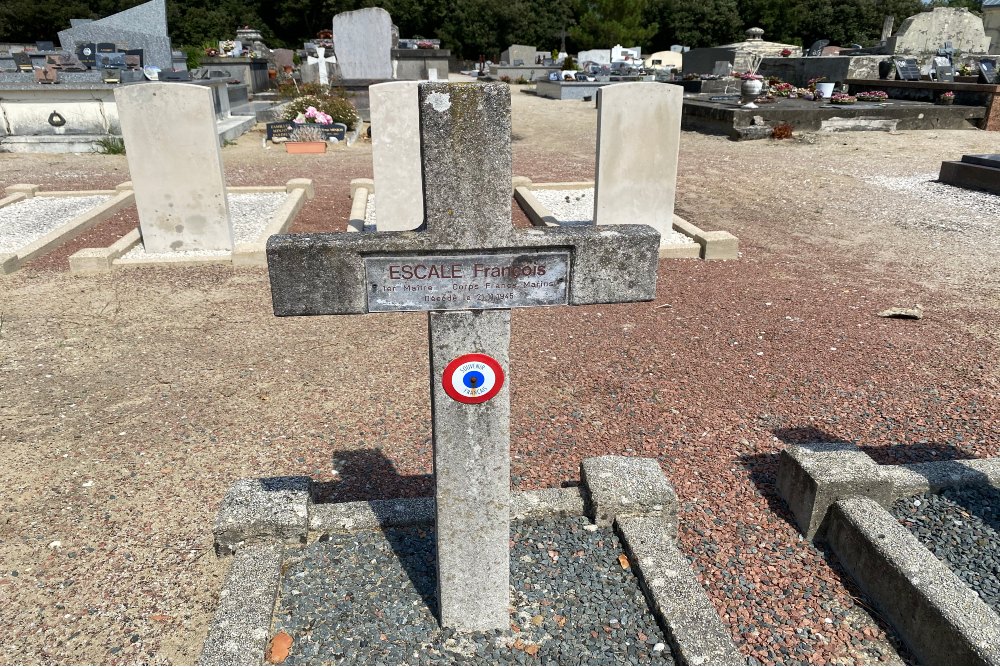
165 386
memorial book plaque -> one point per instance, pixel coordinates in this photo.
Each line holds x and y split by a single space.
459 282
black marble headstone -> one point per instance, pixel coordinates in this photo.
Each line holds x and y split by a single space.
989 160
907 69
23 61
87 53
45 46
987 71
946 73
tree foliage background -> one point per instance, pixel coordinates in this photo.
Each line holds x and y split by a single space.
473 27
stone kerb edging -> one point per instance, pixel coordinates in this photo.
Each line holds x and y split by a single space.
120 197
103 260
839 495
706 245
259 517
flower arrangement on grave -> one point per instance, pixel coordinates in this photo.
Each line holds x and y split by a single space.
212 52
841 98
785 53
811 84
805 93
782 89
966 70
750 75
322 108
947 97
424 44
307 133
228 46
873 96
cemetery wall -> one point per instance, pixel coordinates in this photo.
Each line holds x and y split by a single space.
88 109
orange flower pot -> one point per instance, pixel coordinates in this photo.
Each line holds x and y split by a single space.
305 146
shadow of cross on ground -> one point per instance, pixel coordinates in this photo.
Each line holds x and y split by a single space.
467 268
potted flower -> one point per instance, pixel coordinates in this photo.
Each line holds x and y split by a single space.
947 97
841 98
752 84
821 88
306 139
872 96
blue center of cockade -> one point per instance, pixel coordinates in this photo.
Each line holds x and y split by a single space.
473 379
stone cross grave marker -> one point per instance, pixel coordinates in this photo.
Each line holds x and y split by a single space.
467 268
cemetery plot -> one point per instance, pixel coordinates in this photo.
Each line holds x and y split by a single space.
28 220
250 214
574 602
962 528
32 222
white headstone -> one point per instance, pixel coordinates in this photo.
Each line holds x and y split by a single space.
399 190
362 40
638 137
176 167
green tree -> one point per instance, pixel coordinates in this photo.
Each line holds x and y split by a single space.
604 23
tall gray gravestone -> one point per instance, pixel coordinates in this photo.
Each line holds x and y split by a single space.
362 41
468 268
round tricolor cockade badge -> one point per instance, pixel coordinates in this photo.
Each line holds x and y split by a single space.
473 378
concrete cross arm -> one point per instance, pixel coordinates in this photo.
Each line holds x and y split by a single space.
466 166
324 274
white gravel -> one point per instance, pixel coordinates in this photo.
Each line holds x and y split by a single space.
942 206
30 219
576 208
250 212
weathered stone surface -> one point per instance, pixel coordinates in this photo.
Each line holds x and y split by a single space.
363 43
544 503
623 486
258 509
176 166
812 477
925 32
395 118
939 618
371 514
141 27
695 631
472 476
239 633
636 179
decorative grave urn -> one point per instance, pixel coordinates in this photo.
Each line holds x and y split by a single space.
750 89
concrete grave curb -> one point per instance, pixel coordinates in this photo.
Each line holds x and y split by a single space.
259 517
706 245
119 199
103 260
839 495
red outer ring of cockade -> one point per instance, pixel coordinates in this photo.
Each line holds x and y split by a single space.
449 370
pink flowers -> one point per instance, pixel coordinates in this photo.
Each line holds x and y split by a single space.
311 115
873 96
750 76
840 98
785 53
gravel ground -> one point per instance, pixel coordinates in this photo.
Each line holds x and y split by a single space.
976 207
163 386
249 212
367 598
576 207
962 528
30 219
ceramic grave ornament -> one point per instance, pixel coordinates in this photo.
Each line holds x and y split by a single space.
467 269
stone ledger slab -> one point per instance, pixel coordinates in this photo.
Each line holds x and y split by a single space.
395 120
363 43
176 166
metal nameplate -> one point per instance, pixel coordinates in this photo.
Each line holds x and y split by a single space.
467 282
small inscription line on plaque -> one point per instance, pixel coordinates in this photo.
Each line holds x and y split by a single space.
467 282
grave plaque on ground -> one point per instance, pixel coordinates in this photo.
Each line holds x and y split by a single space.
467 268
907 69
176 167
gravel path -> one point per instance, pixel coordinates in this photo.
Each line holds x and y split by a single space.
968 207
30 219
366 598
249 212
962 528
576 207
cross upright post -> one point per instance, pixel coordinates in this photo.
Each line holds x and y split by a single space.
468 267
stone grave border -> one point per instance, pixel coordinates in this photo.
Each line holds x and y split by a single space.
706 245
104 260
121 197
260 518
838 495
